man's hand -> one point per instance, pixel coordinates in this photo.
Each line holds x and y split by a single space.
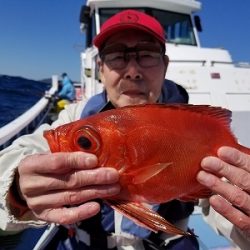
232 197
59 187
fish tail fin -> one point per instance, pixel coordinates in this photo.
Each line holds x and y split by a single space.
244 149
145 217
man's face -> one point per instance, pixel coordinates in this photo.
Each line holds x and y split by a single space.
132 68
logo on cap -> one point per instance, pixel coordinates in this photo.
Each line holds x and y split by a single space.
129 18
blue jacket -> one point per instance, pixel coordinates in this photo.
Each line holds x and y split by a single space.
68 90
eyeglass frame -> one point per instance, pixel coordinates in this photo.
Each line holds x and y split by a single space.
127 51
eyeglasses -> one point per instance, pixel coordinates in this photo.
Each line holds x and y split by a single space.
117 56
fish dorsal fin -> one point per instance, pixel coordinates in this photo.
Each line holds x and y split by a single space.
221 114
143 174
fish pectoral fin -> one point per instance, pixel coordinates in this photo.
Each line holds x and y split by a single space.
143 174
145 217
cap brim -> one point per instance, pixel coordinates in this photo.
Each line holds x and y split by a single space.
102 37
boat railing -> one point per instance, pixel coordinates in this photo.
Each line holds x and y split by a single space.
243 65
202 62
206 62
30 120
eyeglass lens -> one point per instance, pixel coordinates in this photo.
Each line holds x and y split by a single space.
146 55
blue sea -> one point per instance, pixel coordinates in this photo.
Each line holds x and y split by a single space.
17 95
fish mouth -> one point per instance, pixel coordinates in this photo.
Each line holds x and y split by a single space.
52 140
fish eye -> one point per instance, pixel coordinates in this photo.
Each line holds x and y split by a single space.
84 142
87 139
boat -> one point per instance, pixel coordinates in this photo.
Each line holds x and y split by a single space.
208 74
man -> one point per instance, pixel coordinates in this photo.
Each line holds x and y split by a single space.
67 91
63 187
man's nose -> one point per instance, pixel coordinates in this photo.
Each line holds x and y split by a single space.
133 69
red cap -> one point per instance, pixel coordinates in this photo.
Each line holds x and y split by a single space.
130 19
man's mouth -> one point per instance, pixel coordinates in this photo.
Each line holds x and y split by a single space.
133 93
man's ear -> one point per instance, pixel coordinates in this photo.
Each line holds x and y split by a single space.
99 64
166 61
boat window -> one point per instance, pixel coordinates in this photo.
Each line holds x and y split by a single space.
178 26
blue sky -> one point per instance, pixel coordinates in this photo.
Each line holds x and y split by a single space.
39 38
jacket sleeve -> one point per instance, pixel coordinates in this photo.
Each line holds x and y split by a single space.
224 227
10 158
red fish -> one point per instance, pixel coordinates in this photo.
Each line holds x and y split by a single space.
157 150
